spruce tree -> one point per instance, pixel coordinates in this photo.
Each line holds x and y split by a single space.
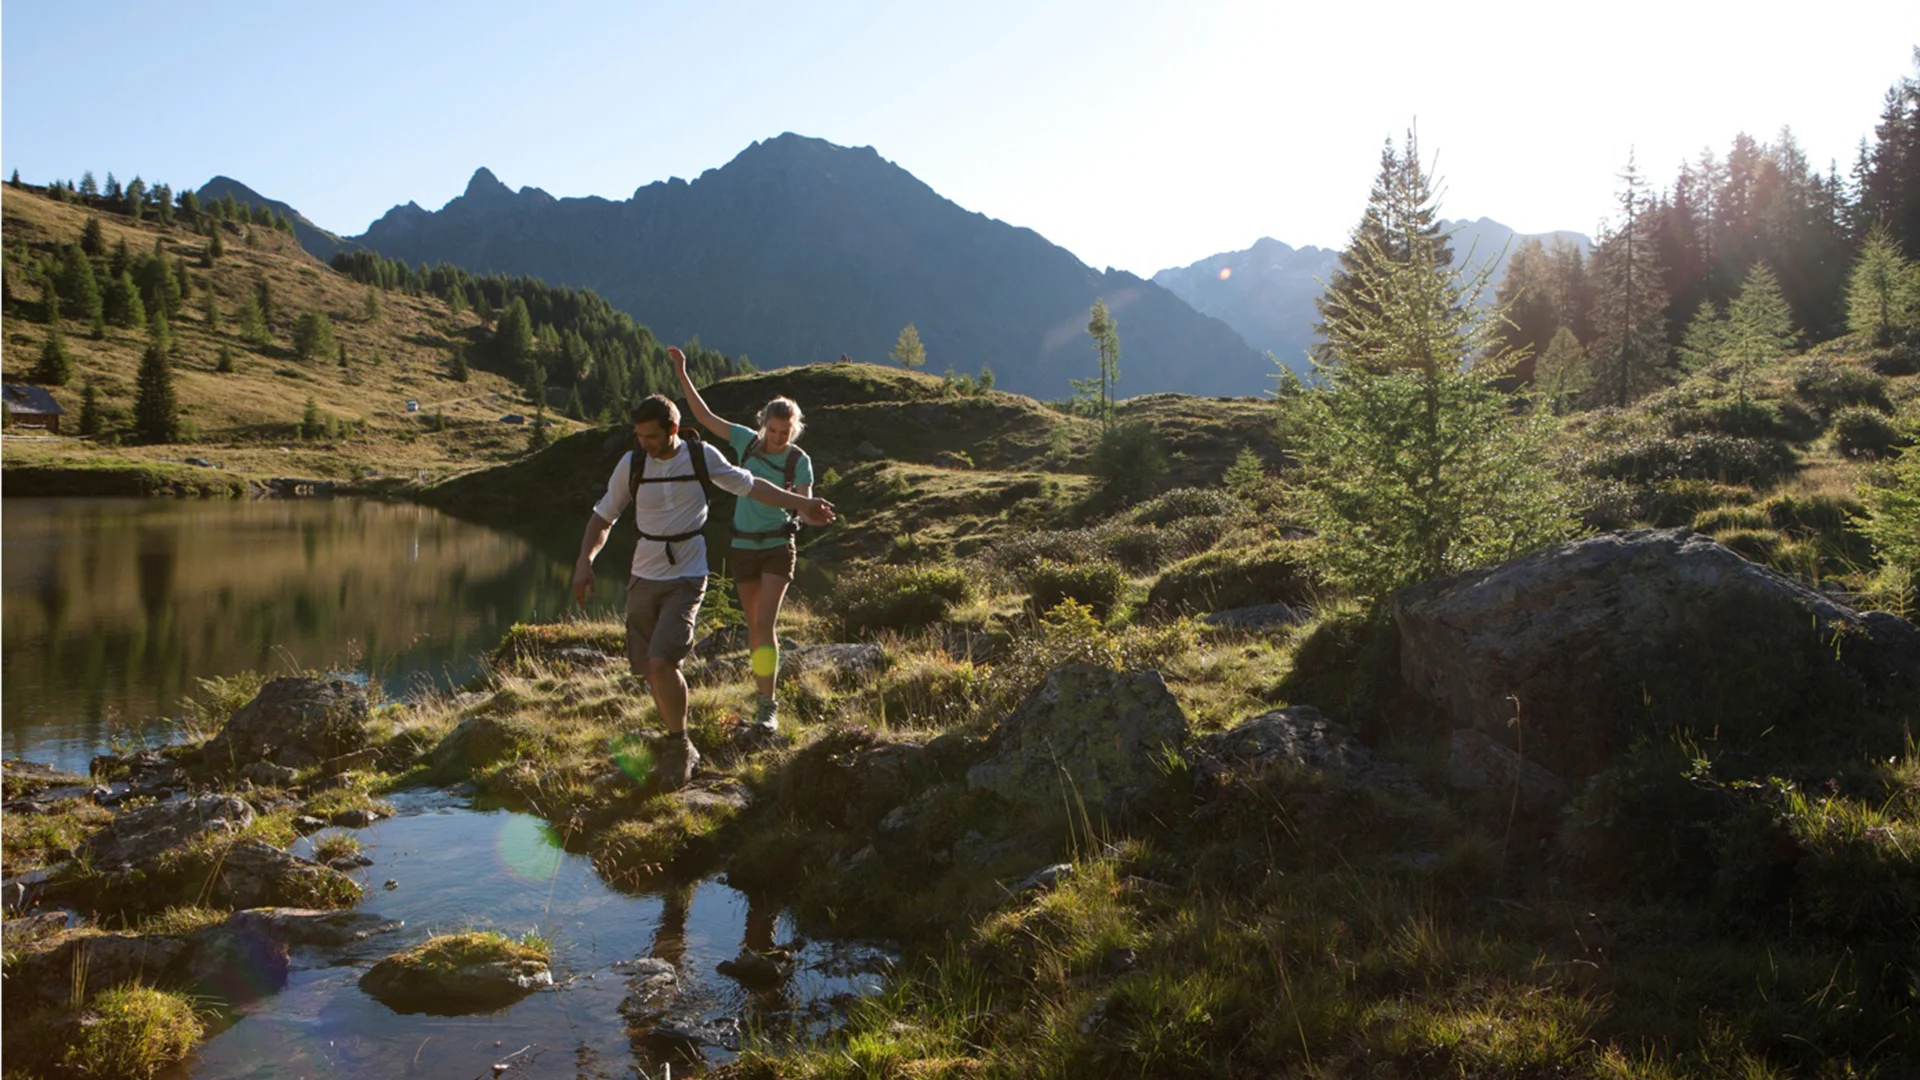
160 332
224 363
513 338
312 425
89 410
1414 463
1105 332
457 365
156 415
93 239
253 328
312 335
1759 325
56 364
343 355
124 307
14 181
215 248
1383 236
88 189
907 350
135 199
264 292
180 277
1630 349
370 306
1880 289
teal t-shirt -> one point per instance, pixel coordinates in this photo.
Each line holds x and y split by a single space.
750 516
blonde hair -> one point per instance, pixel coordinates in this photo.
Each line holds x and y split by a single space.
781 408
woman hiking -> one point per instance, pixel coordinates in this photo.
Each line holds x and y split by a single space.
763 551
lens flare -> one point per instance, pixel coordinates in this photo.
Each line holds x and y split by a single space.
1226 272
633 756
527 848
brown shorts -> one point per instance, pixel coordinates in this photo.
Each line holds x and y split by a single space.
751 564
660 617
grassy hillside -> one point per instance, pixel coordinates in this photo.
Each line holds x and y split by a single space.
247 422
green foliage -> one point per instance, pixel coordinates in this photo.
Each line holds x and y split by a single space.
1630 344
124 307
253 323
1246 475
1882 292
55 367
1414 465
370 305
132 1031
89 410
1860 431
1892 522
1105 332
1097 585
1129 462
1759 325
908 352
1238 573
224 363
1723 459
904 598
312 335
1562 375
93 239
156 414
457 365
1827 386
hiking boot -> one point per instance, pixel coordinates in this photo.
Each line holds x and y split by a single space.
758 969
766 717
674 762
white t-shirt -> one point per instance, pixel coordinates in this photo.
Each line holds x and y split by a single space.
670 509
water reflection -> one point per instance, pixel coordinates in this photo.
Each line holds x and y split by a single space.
113 607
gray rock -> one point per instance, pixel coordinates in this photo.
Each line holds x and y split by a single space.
43 972
585 656
18 930
477 987
295 722
356 819
306 824
1087 734
21 777
138 837
1297 737
1258 617
686 1033
297 927
869 452
480 741
347 863
1592 642
1043 879
254 873
1478 763
267 774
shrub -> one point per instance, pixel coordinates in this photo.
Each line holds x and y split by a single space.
904 598
1748 419
1724 458
1813 513
1901 359
1097 585
1827 386
1236 576
132 1031
1129 462
1859 431
1756 545
1183 504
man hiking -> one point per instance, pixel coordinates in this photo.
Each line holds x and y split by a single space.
666 479
762 556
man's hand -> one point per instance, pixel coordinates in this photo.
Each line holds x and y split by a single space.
582 582
679 360
817 512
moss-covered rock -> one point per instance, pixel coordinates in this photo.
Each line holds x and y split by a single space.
459 973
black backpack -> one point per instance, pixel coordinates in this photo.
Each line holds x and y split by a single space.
637 475
790 468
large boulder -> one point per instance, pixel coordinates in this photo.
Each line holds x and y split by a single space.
254 873
296 722
458 973
138 837
1570 653
1089 734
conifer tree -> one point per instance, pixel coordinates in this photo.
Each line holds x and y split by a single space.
89 410
1880 289
576 408
56 364
1105 332
1705 338
215 248
457 365
312 425
343 355
224 362
1401 188
163 203
907 350
156 415
14 181
253 328
1245 475
513 338
120 261
370 306
190 204
93 240
1561 375
88 189
1759 325
1630 349
136 198
111 192
264 291
123 304
180 277
312 335
76 283
160 332
1414 464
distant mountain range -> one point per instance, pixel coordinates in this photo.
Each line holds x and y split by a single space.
800 251
1267 291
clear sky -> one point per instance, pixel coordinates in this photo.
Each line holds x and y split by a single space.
1138 135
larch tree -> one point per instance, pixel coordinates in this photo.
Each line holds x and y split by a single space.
908 352
1105 332
1630 347
156 415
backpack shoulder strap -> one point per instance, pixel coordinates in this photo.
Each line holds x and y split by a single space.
793 465
697 455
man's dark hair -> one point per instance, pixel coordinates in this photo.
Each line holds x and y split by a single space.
656 409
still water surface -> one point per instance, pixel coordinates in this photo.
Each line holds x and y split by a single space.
113 608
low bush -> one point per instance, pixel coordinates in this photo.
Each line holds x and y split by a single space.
1756 545
1828 387
1749 419
1234 575
1863 432
131 1031
1727 459
1721 519
1096 584
903 598
1901 359
1183 504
